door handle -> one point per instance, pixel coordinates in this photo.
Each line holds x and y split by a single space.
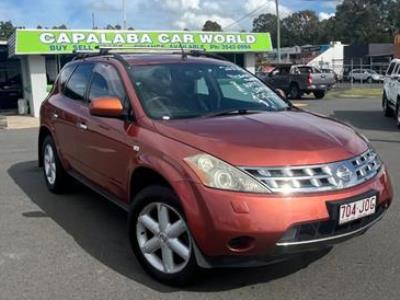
55 115
83 126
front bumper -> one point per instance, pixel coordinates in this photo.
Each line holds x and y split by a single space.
222 216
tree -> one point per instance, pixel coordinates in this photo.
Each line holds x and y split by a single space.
327 31
301 28
60 27
367 21
212 26
6 30
266 23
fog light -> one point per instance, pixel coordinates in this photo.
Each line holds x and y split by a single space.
241 243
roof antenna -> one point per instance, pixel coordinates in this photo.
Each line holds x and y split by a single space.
184 55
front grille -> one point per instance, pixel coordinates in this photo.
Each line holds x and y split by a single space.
331 228
317 178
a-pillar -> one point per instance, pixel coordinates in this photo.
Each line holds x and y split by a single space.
250 62
34 81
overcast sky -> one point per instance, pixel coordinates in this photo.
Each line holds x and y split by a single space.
150 14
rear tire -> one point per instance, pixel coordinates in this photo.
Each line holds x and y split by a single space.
398 114
370 80
294 91
319 94
56 177
167 255
387 111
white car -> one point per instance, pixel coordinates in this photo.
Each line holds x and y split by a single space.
369 76
391 92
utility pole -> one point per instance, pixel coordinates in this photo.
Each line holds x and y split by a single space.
93 25
124 14
278 30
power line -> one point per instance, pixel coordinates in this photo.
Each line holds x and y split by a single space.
247 15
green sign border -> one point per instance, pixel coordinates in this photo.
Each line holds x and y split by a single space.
39 41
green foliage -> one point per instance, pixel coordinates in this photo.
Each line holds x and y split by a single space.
356 21
301 28
6 29
212 26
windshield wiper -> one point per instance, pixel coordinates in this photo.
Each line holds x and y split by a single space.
231 111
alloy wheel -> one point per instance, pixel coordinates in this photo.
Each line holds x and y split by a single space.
50 164
163 238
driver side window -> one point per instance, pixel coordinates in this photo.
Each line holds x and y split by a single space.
106 83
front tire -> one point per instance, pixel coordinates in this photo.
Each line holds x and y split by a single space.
398 114
54 173
160 237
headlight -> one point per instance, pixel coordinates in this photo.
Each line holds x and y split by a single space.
217 174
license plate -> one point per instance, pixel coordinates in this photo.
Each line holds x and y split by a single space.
322 86
357 210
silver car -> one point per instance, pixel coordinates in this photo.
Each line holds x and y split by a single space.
364 75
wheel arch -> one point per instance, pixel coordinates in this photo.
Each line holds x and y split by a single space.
44 131
144 176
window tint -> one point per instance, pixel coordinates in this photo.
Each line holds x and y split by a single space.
106 82
190 90
396 69
201 87
391 67
64 76
76 86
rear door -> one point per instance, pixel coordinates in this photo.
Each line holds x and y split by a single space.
62 114
70 105
395 85
279 78
387 84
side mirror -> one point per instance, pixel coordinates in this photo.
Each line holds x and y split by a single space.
281 93
109 107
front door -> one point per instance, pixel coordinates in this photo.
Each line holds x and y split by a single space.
106 156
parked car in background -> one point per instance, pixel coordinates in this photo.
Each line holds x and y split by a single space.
296 80
362 75
391 91
214 168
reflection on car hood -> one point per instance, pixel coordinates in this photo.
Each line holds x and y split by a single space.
268 139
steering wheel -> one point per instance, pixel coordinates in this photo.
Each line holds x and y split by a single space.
159 101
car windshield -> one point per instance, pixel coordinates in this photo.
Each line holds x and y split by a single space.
193 90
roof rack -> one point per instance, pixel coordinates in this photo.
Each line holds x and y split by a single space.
115 52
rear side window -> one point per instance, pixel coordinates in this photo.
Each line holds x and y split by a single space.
106 83
396 69
391 67
77 84
65 75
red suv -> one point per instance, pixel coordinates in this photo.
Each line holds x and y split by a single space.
213 166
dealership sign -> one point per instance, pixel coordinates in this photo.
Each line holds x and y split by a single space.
27 41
